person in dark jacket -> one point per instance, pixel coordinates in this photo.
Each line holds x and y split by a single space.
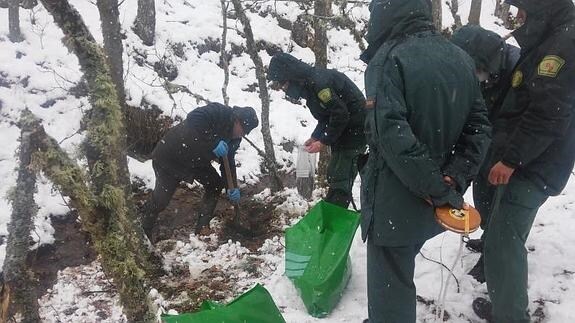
494 59
494 64
185 153
533 149
427 131
338 106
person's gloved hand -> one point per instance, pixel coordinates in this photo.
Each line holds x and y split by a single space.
221 149
234 195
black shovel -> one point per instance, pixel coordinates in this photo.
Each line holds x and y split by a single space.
231 185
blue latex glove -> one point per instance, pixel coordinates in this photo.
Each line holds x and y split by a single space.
234 195
221 149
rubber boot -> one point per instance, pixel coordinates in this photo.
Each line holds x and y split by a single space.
482 308
206 213
475 245
478 271
148 219
338 197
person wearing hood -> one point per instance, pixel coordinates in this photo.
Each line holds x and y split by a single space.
494 62
338 106
428 132
533 150
209 133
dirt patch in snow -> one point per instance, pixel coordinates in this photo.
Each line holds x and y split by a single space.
230 255
256 221
71 248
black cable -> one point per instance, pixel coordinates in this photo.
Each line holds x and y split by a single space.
440 263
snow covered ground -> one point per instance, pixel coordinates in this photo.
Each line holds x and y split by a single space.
38 72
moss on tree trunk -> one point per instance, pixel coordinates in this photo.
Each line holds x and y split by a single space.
110 214
18 278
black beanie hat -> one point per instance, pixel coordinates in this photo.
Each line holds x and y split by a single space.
247 116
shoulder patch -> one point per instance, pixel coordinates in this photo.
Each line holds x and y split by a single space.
517 79
324 95
550 66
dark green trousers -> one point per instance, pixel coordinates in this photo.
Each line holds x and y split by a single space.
483 194
341 173
512 214
390 287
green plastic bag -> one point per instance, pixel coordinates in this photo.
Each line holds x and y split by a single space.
254 306
317 255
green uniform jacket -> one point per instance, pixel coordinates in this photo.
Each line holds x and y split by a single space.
332 98
425 118
534 130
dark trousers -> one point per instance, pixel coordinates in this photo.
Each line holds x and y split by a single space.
166 184
513 211
483 194
390 287
341 173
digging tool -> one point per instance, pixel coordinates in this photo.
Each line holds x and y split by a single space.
232 185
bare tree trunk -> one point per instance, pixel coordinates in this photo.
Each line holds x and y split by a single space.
111 30
322 10
19 280
475 12
436 14
223 53
454 8
145 23
502 12
14 21
276 184
109 213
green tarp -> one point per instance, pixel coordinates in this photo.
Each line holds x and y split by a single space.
255 306
317 255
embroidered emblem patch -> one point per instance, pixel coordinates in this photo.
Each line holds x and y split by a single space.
550 65
517 78
324 95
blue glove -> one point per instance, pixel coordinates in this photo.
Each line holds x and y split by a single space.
234 195
221 149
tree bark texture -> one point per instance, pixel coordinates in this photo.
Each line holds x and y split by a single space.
475 12
19 281
15 35
502 12
322 10
223 53
436 14
454 8
276 184
112 32
145 23
114 230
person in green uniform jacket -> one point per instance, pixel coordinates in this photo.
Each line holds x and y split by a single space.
427 131
338 106
533 150
494 62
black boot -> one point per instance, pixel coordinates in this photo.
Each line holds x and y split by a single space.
475 245
338 197
478 271
482 308
206 212
148 219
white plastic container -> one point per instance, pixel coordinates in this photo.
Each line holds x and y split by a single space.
305 172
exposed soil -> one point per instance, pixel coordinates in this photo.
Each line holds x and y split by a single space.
71 248
255 223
